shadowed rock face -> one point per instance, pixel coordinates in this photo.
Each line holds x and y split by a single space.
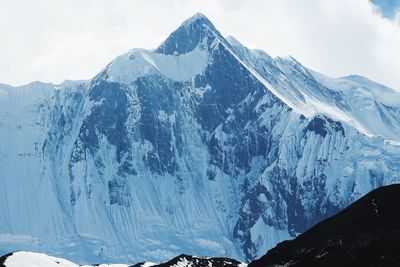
367 233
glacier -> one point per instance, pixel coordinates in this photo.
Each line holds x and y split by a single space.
200 146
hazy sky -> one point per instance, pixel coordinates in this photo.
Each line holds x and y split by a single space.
54 40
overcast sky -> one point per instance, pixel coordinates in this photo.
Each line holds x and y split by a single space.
54 40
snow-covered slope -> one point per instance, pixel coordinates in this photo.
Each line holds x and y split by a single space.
200 146
371 108
375 106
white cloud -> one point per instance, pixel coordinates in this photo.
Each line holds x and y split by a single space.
73 39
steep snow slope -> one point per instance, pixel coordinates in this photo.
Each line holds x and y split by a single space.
200 146
30 201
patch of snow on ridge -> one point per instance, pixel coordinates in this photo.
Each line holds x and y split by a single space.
182 67
138 62
183 263
31 259
148 264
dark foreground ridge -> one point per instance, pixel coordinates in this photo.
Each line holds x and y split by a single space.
367 233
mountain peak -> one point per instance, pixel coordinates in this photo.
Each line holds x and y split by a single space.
198 17
194 31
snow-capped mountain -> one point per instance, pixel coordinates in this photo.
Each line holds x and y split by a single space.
201 146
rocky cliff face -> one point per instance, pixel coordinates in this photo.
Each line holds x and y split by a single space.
201 146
